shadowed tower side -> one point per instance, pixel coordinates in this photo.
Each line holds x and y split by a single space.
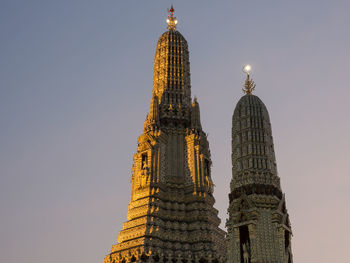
171 217
258 226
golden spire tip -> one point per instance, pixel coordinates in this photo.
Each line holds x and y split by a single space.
172 21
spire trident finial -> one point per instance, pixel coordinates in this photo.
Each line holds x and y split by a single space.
172 21
249 84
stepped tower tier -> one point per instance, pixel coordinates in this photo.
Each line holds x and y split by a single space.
258 226
171 217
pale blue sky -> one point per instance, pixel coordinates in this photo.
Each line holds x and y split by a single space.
76 82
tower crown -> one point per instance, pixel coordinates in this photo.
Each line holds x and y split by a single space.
171 80
172 21
249 84
252 144
258 218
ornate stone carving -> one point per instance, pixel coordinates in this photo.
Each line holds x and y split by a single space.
246 252
171 215
257 206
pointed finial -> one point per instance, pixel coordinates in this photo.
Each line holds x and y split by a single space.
172 21
249 84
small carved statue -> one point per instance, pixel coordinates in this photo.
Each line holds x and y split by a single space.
246 255
144 164
209 184
144 178
288 254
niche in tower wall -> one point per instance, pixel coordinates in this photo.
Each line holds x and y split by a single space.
207 167
144 161
144 258
244 244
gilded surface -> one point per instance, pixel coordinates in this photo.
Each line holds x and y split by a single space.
171 215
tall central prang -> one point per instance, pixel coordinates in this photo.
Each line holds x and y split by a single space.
171 217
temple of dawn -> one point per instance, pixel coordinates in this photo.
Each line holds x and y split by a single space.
171 215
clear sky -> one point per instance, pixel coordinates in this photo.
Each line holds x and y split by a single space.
76 82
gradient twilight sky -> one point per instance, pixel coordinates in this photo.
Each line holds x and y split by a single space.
76 82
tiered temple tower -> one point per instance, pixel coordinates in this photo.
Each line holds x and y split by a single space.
259 229
171 217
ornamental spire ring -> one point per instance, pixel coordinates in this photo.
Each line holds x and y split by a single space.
172 21
249 84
